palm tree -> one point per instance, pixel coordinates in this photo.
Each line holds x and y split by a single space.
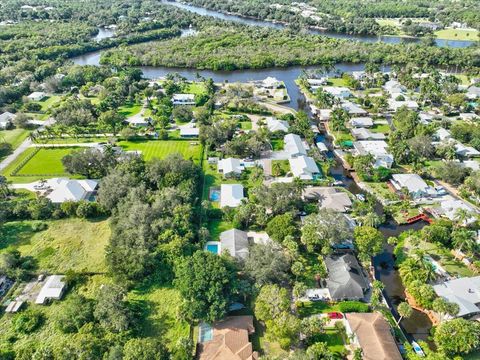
463 239
404 310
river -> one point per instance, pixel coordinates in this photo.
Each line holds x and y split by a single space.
365 38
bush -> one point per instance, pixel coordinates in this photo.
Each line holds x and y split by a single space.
27 321
353 306
87 209
39 226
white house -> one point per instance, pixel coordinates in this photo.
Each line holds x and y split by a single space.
363 121
70 190
304 167
231 195
465 292
442 134
230 167
322 147
365 134
417 188
353 109
466 151
139 121
376 148
6 119
338 91
37 96
294 145
449 209
274 125
468 116
189 132
317 82
393 87
271 83
52 289
183 99
394 105
473 92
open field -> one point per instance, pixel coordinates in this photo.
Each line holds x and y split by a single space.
457 34
69 244
46 161
161 149
14 137
130 109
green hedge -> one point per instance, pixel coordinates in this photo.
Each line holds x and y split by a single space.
353 306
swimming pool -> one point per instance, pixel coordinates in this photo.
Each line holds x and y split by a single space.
212 247
205 333
214 195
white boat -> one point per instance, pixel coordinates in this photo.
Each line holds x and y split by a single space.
418 350
360 197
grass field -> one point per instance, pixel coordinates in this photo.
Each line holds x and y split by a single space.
46 161
457 34
14 137
196 88
160 149
74 244
130 109
49 102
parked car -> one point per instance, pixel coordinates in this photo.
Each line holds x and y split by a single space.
335 315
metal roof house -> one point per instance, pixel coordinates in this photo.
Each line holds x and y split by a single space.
230 167
231 195
70 190
346 280
465 292
274 125
304 167
53 288
417 188
361 122
376 148
294 145
6 119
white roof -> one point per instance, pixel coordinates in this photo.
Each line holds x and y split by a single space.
361 121
442 134
365 134
70 190
37 95
270 81
413 182
52 289
352 108
303 167
338 91
466 150
189 131
137 121
450 208
322 147
294 145
230 165
464 291
394 104
7 117
371 147
183 97
277 125
320 81
393 86
231 195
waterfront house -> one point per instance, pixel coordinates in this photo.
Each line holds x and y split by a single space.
294 146
227 339
465 292
328 198
338 91
450 208
376 148
304 167
231 195
372 333
230 167
416 186
183 99
271 83
346 279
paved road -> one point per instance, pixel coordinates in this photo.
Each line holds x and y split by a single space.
23 146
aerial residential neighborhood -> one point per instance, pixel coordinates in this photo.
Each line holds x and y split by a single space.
244 180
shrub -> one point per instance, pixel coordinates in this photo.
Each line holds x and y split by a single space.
39 226
27 321
353 306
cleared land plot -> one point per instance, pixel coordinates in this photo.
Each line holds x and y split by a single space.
161 149
69 244
46 161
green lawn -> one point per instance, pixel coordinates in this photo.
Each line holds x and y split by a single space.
160 149
196 88
14 137
246 125
130 109
46 162
457 34
308 308
337 82
282 166
334 340
380 128
49 102
74 244
382 190
215 227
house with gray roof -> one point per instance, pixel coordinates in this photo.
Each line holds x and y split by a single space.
465 292
346 279
6 119
294 145
235 242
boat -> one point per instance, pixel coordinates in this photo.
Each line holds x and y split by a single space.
338 183
360 197
418 350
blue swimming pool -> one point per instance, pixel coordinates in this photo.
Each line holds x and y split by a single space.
206 332
214 195
213 248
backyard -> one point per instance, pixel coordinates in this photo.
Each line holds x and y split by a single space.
161 149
